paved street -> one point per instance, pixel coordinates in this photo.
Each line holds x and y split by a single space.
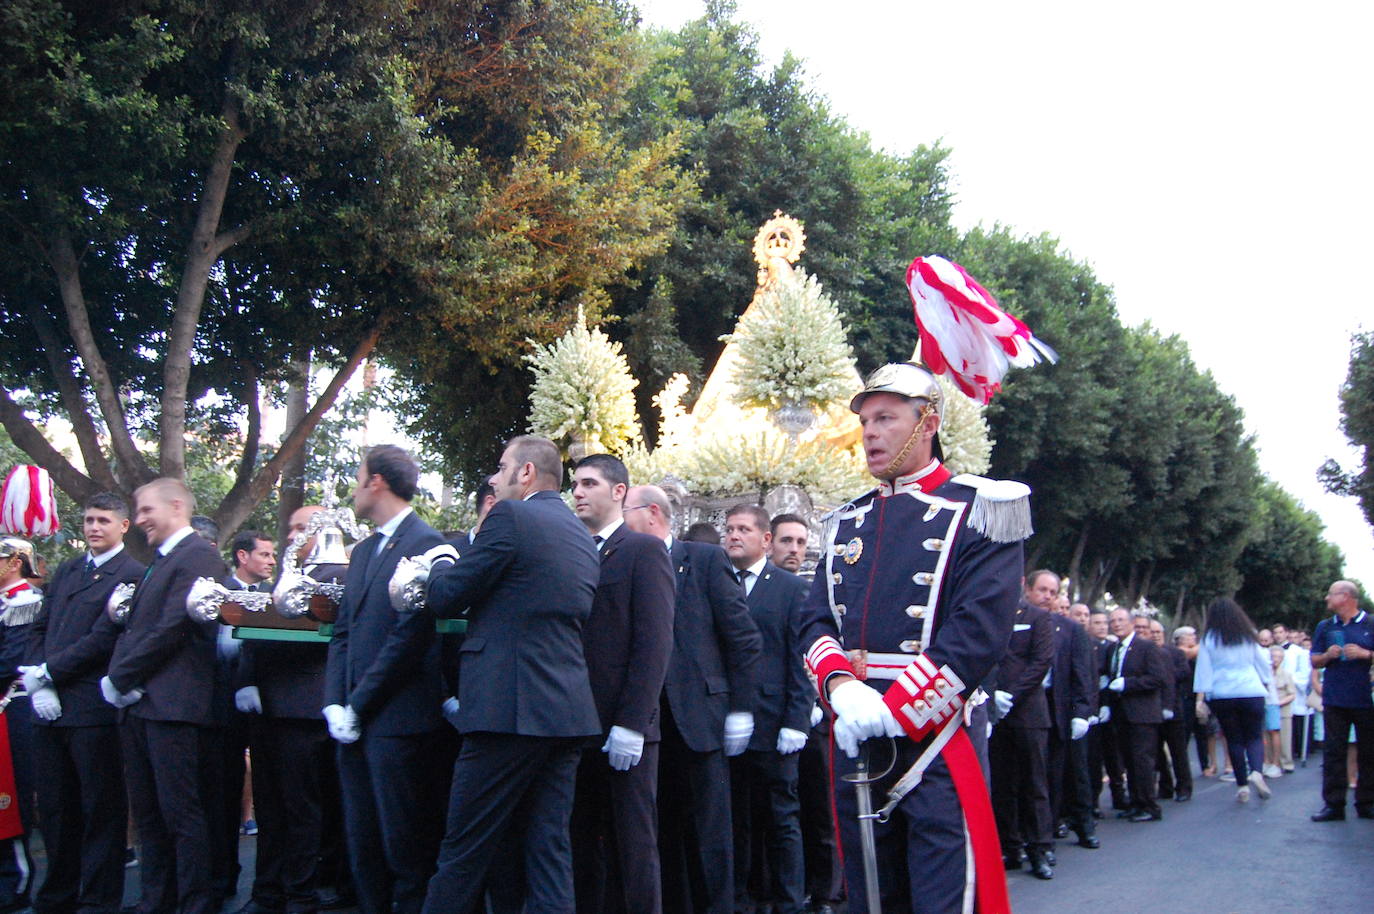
1216 855
1212 854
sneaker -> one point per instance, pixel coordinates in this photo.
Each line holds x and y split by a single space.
1243 795
1257 781
1228 777
1273 771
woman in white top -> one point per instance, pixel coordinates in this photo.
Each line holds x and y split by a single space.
1232 680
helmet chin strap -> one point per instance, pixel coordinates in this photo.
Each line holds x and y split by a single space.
890 471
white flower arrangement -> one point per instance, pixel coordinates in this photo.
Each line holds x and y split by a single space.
964 432
583 391
792 348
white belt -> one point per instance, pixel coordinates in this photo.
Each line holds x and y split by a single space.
887 666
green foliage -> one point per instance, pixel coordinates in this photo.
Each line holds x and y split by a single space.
1357 421
792 348
1286 565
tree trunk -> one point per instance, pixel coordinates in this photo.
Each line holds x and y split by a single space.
1076 563
203 252
292 493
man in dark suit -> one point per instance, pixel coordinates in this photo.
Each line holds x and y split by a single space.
1139 688
1175 772
281 688
81 798
1019 744
383 698
163 672
765 805
525 705
707 704
1072 694
254 558
627 641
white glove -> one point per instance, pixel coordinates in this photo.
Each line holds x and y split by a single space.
450 710
1094 721
863 711
817 715
248 700
1168 714
35 677
845 737
1078 728
1102 682
443 552
1117 685
46 703
625 747
1004 702
117 698
343 723
790 740
739 726
1104 714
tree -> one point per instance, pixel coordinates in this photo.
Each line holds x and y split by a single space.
198 198
1287 565
1357 421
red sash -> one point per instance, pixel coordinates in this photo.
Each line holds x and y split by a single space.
10 824
989 875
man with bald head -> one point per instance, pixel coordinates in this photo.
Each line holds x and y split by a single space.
1342 645
707 705
162 673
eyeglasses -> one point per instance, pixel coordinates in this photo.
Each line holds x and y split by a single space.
637 507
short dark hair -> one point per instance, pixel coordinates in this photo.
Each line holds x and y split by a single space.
484 491
781 519
1037 573
108 501
206 527
702 532
396 467
756 512
543 453
244 541
609 468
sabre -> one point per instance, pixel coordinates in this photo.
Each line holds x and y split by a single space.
862 778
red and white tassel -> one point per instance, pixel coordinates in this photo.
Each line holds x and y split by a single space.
27 505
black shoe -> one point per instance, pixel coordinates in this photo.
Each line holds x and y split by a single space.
824 907
1329 814
1013 860
333 900
1088 839
1128 813
1039 866
1097 813
1183 796
1364 810
1050 858
1146 816
1062 831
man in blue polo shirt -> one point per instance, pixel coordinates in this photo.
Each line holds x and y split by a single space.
1343 646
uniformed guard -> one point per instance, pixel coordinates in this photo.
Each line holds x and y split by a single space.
909 611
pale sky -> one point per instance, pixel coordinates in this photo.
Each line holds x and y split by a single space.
1210 160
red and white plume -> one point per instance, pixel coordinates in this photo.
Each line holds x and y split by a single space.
964 335
27 505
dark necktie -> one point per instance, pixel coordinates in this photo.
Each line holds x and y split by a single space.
743 578
598 539
90 567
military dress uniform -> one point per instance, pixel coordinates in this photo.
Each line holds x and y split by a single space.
915 596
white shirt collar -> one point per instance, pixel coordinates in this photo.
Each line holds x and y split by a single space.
244 585
668 541
104 557
756 569
606 531
388 529
1126 641
170 542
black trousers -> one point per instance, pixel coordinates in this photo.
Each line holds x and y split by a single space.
824 880
1138 745
1021 787
1334 786
290 758
508 791
163 763
695 840
83 812
1242 721
766 816
223 779
393 806
923 865
1175 774
615 835
1071 798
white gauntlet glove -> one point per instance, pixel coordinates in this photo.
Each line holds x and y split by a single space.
739 726
625 747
